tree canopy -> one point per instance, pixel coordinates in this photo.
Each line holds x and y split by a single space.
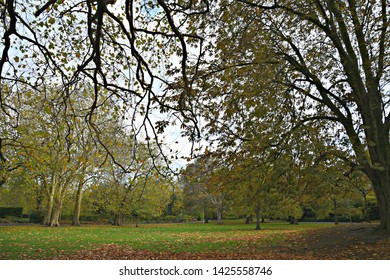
278 90
329 60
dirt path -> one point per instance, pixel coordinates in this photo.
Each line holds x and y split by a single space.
350 242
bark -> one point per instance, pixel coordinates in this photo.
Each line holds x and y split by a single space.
293 220
49 209
219 214
59 200
77 206
382 191
39 209
79 196
55 217
257 213
336 217
118 219
3 161
366 211
248 219
204 218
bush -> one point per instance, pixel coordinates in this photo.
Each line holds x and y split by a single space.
169 219
185 218
33 217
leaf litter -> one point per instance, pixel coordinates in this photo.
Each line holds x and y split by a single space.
351 242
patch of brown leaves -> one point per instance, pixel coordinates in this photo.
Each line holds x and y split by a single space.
116 252
350 242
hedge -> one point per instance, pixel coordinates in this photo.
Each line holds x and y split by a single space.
11 212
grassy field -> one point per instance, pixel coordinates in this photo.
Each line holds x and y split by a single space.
39 242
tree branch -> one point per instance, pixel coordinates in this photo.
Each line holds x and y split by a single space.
44 7
382 41
7 35
250 3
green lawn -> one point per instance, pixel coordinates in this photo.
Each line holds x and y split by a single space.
39 242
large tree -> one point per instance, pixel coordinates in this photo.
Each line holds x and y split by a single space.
332 58
329 58
207 178
127 50
123 50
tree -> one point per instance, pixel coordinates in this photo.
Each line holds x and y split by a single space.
55 148
130 49
88 158
53 154
253 189
328 60
362 185
195 202
332 59
132 185
207 178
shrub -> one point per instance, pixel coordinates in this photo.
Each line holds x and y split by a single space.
169 219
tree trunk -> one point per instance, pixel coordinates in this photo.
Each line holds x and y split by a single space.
49 208
204 214
336 218
118 219
366 211
293 220
380 178
257 212
382 191
55 217
219 214
39 211
77 206
59 201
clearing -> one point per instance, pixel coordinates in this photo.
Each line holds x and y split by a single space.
278 241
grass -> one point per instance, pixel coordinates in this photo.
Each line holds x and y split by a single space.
39 242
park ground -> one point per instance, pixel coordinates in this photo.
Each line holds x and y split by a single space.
237 241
